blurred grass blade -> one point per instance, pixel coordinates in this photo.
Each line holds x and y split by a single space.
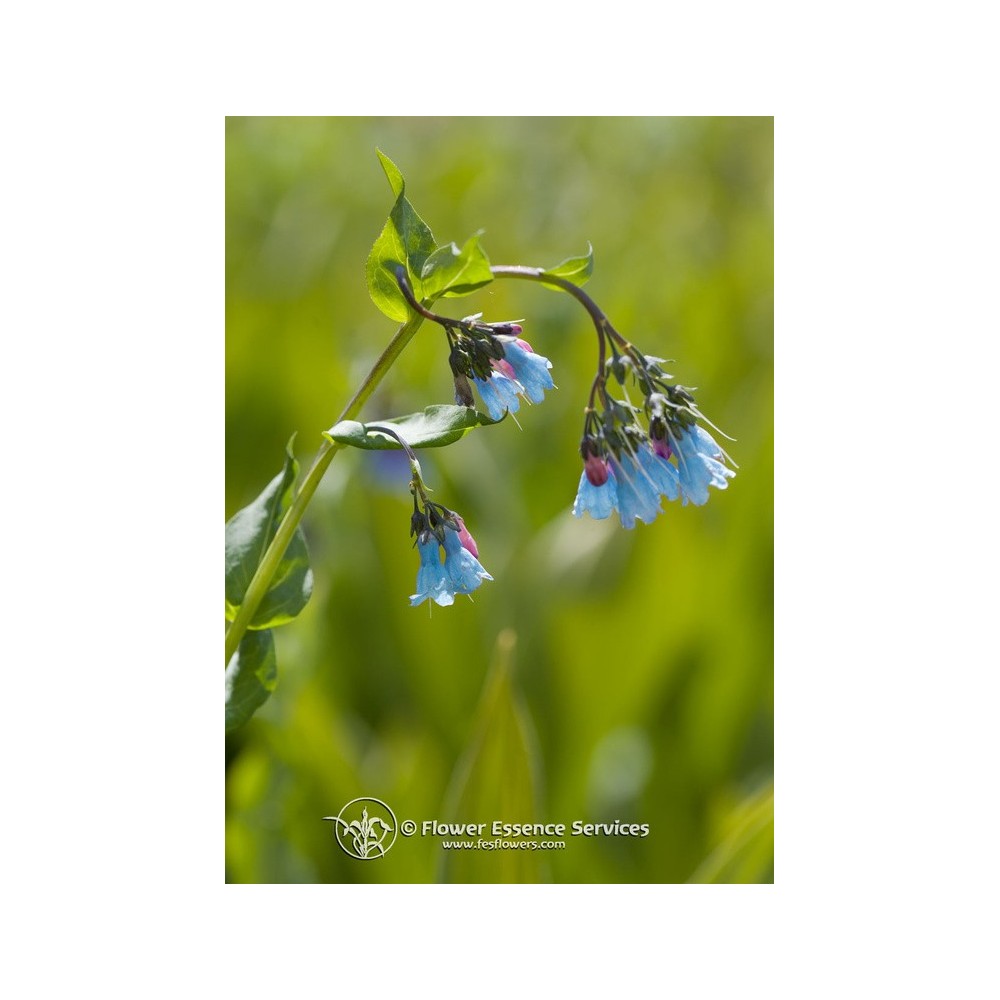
251 676
746 851
495 779
248 534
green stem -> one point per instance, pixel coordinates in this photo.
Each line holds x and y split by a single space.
261 582
601 322
597 314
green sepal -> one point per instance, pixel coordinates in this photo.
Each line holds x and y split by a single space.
575 269
450 272
248 534
434 427
405 239
251 676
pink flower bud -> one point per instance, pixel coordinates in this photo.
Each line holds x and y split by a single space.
596 469
468 542
662 448
505 368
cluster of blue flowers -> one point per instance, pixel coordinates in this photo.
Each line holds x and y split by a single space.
629 452
634 482
519 373
627 468
504 369
459 572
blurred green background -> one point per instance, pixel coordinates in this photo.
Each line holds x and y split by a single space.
643 661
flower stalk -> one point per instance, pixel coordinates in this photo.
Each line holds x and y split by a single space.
261 582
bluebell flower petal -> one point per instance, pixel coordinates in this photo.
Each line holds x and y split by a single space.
432 578
704 443
597 501
698 465
465 572
491 400
694 475
720 473
532 370
499 394
508 391
661 474
712 454
638 498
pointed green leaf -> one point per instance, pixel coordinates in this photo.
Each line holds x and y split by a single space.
405 239
392 173
248 534
251 676
496 779
450 272
575 269
434 427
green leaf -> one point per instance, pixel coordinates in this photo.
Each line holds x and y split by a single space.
405 239
496 779
251 676
434 427
392 173
450 272
575 269
248 534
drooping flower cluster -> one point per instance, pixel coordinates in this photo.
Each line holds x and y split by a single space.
628 467
504 368
449 562
634 456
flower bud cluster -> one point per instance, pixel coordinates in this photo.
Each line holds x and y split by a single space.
504 368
